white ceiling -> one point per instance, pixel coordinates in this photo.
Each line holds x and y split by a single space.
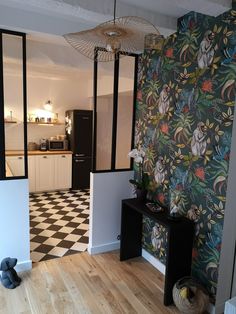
45 21
61 16
177 8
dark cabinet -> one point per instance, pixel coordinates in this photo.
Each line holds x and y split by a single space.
81 168
83 133
79 130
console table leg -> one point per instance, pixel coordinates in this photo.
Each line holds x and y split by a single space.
131 233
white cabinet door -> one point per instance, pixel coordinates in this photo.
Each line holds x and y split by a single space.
32 173
16 165
45 173
63 172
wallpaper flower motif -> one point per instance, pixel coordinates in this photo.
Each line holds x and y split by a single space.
185 107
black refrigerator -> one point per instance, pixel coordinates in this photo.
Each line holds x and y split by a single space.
79 129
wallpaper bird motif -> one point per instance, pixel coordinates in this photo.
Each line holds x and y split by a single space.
185 108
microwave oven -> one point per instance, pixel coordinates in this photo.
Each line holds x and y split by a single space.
57 145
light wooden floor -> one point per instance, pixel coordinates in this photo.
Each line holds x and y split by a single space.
87 284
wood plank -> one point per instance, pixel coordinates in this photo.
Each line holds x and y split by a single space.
89 285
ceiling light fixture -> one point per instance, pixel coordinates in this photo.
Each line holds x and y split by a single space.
48 105
123 34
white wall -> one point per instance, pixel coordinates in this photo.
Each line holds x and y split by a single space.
106 192
65 94
14 222
124 130
104 131
105 85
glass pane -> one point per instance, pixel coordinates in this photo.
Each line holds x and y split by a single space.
125 112
105 81
13 104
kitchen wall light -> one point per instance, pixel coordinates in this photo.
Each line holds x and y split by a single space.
48 105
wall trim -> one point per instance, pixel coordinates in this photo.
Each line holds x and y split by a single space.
212 309
154 261
219 308
24 266
103 248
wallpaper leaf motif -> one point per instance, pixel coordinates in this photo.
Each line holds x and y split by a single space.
185 108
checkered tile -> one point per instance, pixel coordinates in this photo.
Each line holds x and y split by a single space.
59 224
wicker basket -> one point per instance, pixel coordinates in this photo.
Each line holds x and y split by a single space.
190 297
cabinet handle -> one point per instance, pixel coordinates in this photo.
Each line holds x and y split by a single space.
63 156
45 157
79 155
85 118
20 157
80 160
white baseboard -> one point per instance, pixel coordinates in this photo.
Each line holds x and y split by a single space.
104 248
219 308
154 261
24 266
230 306
211 309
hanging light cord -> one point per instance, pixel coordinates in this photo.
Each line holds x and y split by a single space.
114 11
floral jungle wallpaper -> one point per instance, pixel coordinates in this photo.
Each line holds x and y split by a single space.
185 107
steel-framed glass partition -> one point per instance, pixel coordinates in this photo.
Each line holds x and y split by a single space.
13 106
115 85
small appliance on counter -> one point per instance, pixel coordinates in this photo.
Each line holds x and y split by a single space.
58 144
32 146
43 144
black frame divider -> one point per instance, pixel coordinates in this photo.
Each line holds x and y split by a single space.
2 125
25 105
115 110
134 103
95 73
2 103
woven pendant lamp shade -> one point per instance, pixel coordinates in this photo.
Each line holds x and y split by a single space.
125 34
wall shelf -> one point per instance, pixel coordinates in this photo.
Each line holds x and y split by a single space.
46 123
10 121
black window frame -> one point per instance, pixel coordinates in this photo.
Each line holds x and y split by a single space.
115 109
2 104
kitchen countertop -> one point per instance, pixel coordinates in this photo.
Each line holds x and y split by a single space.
37 152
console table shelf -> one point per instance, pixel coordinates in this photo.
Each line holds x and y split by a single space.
179 243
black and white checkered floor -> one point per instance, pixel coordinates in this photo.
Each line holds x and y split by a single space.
59 224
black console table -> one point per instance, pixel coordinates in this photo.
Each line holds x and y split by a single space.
179 244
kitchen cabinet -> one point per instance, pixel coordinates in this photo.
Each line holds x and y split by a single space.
81 173
16 165
63 171
79 130
45 173
32 173
49 172
83 124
